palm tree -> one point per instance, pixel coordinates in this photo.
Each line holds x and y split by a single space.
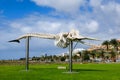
113 56
86 56
118 43
115 43
119 47
106 43
55 58
93 54
75 57
103 55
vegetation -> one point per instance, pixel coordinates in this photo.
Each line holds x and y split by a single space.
115 43
112 42
110 52
50 72
107 43
114 48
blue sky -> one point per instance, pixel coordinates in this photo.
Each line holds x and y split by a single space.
93 18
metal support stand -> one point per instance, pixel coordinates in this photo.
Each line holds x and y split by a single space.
70 56
27 53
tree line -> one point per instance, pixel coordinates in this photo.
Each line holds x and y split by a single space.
110 52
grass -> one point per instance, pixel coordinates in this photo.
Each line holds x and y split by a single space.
50 72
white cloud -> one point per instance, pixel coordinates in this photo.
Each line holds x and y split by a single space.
48 25
111 31
92 26
61 5
26 29
118 8
95 3
110 7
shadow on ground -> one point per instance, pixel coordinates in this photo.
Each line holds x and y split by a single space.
78 70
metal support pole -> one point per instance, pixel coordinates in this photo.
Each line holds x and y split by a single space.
70 55
27 53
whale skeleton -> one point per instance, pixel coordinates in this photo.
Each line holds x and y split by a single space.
62 40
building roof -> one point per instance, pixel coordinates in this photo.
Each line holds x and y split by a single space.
118 40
